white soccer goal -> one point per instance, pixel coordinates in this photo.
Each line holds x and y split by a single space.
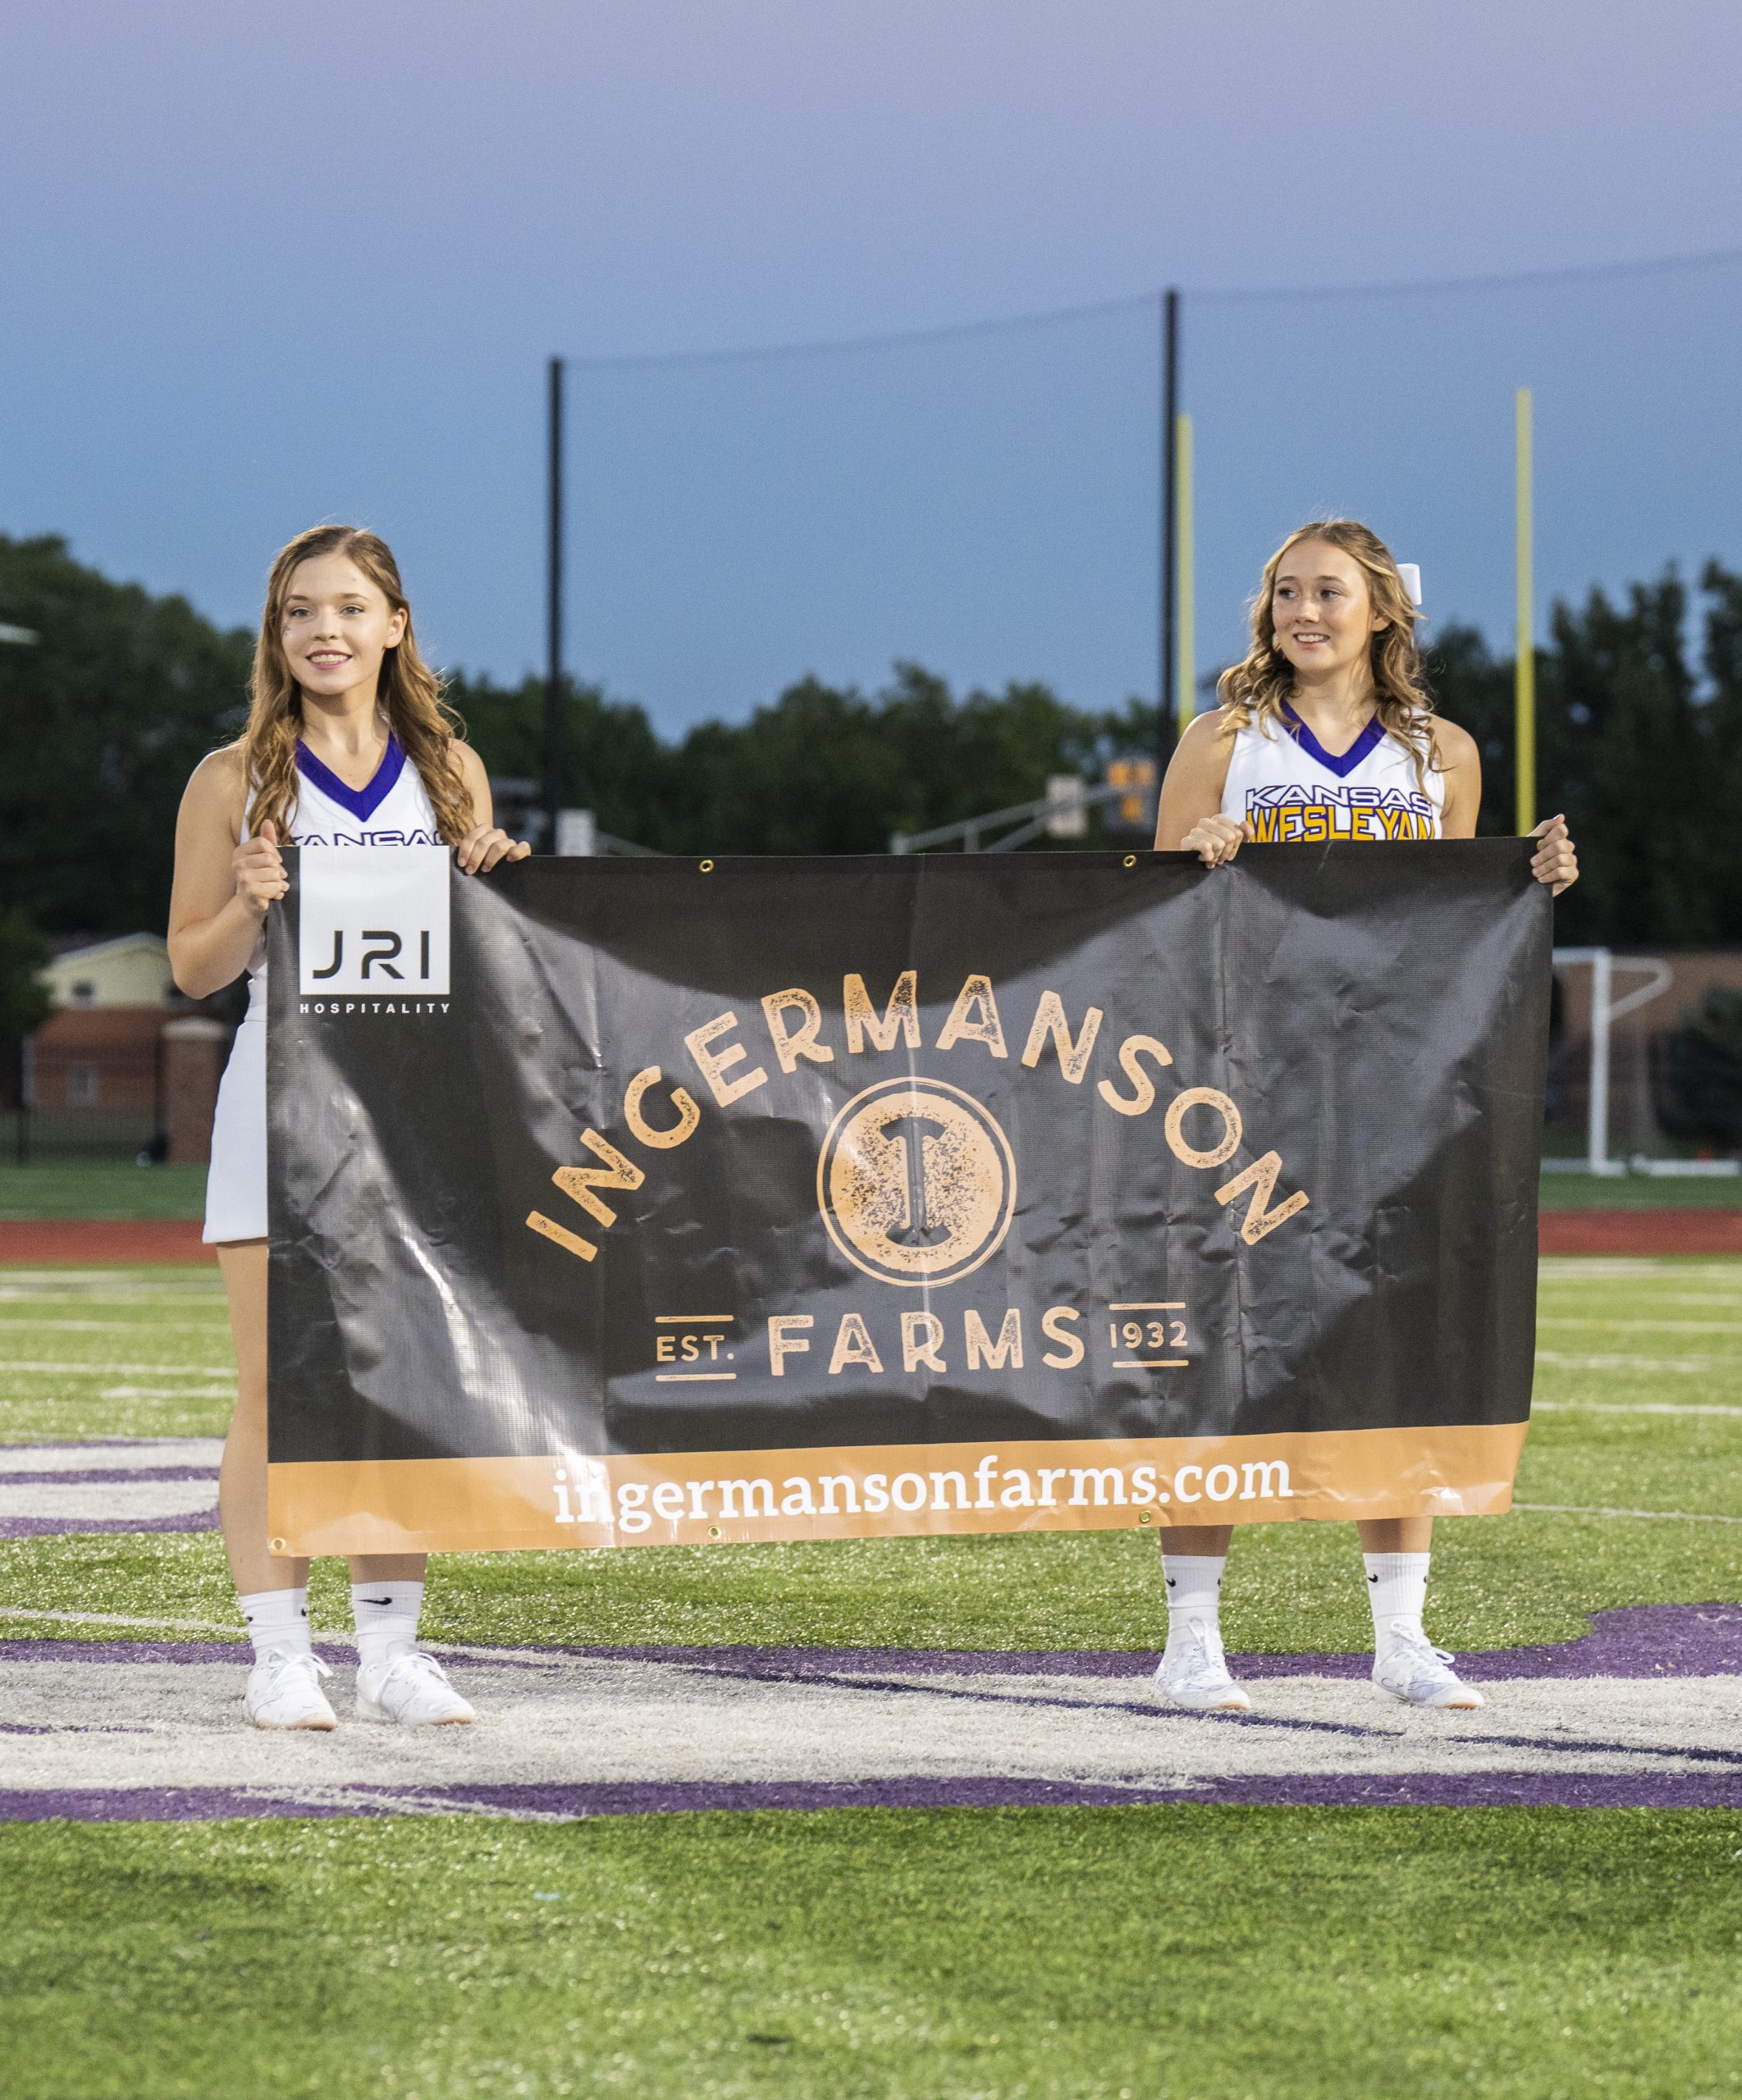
1606 1009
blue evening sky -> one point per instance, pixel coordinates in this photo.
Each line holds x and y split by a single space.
263 266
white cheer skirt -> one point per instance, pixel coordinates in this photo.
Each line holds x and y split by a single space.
235 1181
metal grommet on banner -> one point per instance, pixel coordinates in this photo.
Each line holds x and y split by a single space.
277 1545
713 1531
706 867
1131 859
1146 1517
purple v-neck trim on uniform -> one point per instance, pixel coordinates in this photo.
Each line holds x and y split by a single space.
1346 762
362 802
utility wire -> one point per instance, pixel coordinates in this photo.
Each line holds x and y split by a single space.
900 339
914 338
1711 259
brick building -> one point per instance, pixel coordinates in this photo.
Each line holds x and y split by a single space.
125 1063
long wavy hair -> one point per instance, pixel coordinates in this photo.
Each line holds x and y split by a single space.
1256 688
409 694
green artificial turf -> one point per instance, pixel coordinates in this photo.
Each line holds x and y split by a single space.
1183 1953
1148 1953
1620 1340
100 1189
133 1352
1641 1192
1498 1582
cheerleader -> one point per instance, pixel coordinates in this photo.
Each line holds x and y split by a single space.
348 740
1330 690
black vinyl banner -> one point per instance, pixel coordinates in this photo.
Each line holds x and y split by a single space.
634 1201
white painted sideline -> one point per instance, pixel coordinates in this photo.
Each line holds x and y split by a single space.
1590 1269
122 1282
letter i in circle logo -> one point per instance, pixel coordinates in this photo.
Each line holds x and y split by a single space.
915 1182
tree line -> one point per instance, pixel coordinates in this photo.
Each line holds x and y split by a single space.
1640 704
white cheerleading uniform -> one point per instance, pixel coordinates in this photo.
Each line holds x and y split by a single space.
392 810
1283 782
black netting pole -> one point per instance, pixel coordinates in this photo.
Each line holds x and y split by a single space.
1167 711
555 739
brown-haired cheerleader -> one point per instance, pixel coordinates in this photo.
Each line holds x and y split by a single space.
1329 698
348 740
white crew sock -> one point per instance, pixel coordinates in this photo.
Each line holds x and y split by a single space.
277 1619
1397 1589
1194 1590
385 1614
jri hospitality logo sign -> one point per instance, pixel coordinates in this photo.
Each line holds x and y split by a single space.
801 1199
374 920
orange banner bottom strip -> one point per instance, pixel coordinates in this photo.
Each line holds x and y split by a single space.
905 1490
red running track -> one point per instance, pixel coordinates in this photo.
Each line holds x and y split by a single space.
82 1242
1640 1232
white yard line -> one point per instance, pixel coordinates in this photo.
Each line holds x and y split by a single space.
1631 1407
1599 1509
168 1392
404 1803
218 1325
1694 1367
114 1370
125 1619
1729 1300
1647 1326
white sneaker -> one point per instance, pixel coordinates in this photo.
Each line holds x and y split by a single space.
283 1691
1413 1670
412 1690
1194 1677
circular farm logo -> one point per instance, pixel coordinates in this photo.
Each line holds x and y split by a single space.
915 1182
